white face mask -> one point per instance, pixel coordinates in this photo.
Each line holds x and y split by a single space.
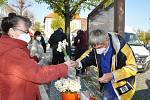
100 50
24 37
38 38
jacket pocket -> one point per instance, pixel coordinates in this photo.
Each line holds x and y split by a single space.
124 89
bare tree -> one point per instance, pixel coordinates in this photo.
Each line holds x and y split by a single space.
21 6
22 9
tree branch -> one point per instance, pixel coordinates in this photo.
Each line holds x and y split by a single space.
76 6
52 3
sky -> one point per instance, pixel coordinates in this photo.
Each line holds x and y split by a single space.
137 13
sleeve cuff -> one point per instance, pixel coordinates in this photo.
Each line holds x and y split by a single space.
114 78
80 65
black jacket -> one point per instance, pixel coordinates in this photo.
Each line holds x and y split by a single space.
55 38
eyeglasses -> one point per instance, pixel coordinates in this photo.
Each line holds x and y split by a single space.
22 30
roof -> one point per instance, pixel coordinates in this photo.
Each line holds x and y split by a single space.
52 15
77 17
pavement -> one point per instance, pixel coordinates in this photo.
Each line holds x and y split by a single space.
143 86
49 92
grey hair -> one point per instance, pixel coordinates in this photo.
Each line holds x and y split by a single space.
97 37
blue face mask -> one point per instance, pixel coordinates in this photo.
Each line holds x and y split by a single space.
24 37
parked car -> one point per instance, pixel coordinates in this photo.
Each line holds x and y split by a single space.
148 47
142 55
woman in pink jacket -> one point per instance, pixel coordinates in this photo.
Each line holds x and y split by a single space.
19 74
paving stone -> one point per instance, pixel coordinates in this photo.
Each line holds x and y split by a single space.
143 86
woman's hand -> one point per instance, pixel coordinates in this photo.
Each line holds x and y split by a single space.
70 63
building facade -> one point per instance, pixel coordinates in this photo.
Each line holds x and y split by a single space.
76 24
5 9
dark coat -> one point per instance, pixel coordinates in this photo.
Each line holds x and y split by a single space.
56 37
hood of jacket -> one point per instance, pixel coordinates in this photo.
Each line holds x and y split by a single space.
7 44
115 41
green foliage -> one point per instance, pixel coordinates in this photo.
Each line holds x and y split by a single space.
147 37
73 6
58 22
37 26
144 36
67 9
141 35
3 1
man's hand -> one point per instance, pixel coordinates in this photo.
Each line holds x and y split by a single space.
106 78
78 64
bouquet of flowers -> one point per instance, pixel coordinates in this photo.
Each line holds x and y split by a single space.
71 84
68 85
62 48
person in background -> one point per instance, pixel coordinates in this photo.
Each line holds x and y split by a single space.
19 74
38 45
57 36
80 42
38 50
81 45
116 64
31 40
